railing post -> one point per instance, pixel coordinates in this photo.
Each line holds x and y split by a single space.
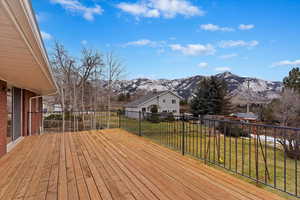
140 125
183 135
119 115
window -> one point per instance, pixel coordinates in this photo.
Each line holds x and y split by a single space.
173 101
174 111
164 101
143 109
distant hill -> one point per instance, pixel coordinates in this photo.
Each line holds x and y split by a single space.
260 91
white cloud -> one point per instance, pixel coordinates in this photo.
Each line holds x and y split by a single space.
46 36
145 42
194 49
222 69
161 8
141 42
213 27
287 62
228 56
203 64
246 26
76 7
238 43
84 42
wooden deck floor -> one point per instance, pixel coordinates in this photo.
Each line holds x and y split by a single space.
112 164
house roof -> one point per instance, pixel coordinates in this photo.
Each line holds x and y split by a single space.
23 58
146 98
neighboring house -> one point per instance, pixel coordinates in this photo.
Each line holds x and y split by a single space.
25 73
245 116
166 101
52 108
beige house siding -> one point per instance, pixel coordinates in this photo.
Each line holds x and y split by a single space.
164 103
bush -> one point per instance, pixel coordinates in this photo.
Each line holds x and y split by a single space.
167 117
54 117
153 117
233 130
68 116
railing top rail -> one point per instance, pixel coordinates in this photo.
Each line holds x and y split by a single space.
189 117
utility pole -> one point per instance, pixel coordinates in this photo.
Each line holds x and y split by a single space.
248 101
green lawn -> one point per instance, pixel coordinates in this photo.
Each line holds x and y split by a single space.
236 154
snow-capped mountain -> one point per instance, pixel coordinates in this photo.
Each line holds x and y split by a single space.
259 90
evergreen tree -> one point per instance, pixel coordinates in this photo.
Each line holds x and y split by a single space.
211 98
292 81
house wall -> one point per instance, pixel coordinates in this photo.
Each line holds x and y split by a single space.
26 98
35 116
36 119
3 117
162 106
167 105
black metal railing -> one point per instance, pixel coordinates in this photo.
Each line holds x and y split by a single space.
266 154
71 121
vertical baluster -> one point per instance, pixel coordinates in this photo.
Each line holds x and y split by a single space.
225 137
296 159
243 150
236 151
229 129
284 163
274 150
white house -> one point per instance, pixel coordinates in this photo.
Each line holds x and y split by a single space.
166 101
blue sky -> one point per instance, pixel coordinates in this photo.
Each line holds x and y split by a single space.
180 38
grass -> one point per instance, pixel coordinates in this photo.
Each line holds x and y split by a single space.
250 157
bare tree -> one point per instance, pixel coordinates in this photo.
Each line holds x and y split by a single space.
92 63
288 107
114 72
72 77
63 66
287 112
84 81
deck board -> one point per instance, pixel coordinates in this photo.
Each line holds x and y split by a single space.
110 165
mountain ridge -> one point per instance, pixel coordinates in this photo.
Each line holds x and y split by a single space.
260 91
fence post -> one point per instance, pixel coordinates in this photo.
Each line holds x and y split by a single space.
140 125
183 135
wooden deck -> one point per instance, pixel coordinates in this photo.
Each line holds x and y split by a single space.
112 164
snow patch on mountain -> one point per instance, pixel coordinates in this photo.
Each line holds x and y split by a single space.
259 90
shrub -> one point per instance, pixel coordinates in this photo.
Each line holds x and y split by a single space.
68 116
54 117
167 117
153 117
233 130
